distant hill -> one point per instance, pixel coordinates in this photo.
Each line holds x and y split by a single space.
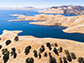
21 8
71 9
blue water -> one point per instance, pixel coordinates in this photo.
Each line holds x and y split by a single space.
35 30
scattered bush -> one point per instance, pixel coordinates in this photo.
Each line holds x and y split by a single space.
60 60
27 49
60 49
66 52
39 55
64 58
13 49
80 59
16 38
73 55
29 60
5 58
45 54
0 46
35 53
3 51
52 60
48 45
50 54
12 53
69 58
55 51
56 45
8 42
43 48
15 55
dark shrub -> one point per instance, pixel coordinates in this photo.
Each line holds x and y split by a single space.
69 58
66 52
3 51
0 46
80 59
60 49
5 58
64 58
27 49
29 60
15 55
45 54
39 55
32 60
55 51
73 55
16 38
12 53
52 60
8 42
50 54
60 60
13 49
56 45
43 48
48 45
35 53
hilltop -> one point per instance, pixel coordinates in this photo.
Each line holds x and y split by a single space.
70 10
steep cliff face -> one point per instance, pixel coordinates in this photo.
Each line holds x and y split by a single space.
74 10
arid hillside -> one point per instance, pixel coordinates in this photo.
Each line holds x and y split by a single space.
23 41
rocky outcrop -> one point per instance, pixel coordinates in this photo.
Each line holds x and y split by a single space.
71 9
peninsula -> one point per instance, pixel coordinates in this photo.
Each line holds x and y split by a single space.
74 24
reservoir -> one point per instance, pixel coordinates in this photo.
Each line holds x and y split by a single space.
34 30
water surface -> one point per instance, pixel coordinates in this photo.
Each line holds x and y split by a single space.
35 30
